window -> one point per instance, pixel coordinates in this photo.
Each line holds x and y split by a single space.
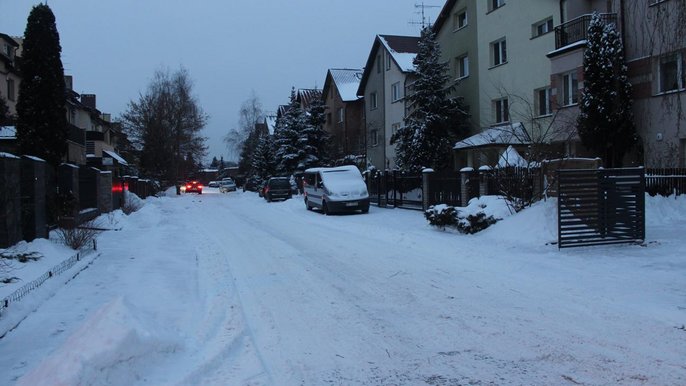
542 27
570 89
495 4
396 92
543 103
340 115
374 137
501 110
462 66
460 20
498 52
388 61
372 101
394 128
10 89
671 72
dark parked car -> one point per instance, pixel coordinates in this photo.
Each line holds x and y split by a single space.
252 185
277 188
194 187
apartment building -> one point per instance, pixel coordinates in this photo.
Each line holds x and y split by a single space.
386 77
496 50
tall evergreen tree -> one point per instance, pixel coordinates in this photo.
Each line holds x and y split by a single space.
435 120
263 161
4 113
606 122
41 108
314 140
289 153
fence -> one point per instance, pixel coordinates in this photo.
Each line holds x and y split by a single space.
665 181
445 187
601 206
36 283
395 188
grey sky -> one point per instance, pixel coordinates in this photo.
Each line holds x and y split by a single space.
230 47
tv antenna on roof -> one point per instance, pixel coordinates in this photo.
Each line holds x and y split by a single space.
423 7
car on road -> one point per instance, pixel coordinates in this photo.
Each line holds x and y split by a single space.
252 185
213 184
227 185
194 187
277 188
339 189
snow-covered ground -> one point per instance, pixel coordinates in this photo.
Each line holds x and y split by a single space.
227 289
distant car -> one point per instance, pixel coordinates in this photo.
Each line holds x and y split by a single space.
252 185
213 184
227 185
277 188
194 187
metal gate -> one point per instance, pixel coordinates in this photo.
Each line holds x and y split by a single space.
601 206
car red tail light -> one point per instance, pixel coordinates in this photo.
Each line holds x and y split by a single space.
199 186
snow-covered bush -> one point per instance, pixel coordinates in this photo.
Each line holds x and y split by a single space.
441 216
131 203
478 215
79 236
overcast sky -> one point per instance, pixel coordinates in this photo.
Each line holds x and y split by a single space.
230 47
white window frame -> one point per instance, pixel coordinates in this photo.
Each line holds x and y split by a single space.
374 137
570 90
501 110
395 127
498 52
396 92
548 104
340 115
462 66
495 4
460 19
373 101
542 27
679 59
11 90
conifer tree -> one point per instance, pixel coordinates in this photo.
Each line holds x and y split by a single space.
314 140
605 122
4 113
41 108
289 154
263 161
435 120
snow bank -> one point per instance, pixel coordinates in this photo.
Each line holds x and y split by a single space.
665 210
102 351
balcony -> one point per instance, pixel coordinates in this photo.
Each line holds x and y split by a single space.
576 29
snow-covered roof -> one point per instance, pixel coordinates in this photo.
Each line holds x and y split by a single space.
34 158
116 156
347 81
8 155
403 50
69 165
307 95
511 157
270 120
8 132
510 134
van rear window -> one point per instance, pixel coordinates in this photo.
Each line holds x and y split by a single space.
281 184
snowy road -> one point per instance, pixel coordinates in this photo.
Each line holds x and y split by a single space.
231 290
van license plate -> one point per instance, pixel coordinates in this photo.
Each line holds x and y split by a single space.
350 204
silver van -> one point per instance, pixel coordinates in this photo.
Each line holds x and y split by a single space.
339 189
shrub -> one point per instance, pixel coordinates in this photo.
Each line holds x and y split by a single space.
443 216
130 203
79 236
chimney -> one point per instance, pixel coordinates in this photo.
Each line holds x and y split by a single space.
69 82
88 100
106 117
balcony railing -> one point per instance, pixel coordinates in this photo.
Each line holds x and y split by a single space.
576 29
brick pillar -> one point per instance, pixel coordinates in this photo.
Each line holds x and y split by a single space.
105 202
465 175
426 192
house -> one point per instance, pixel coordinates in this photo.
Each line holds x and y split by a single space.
344 111
387 75
496 52
305 96
9 72
654 39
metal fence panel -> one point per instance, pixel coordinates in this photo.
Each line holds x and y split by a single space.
605 206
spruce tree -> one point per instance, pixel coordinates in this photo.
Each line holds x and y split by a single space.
4 113
435 120
263 161
314 140
41 108
289 152
605 123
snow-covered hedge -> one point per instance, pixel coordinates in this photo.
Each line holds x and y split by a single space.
478 215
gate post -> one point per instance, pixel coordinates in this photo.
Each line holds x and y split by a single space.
484 178
465 174
426 174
